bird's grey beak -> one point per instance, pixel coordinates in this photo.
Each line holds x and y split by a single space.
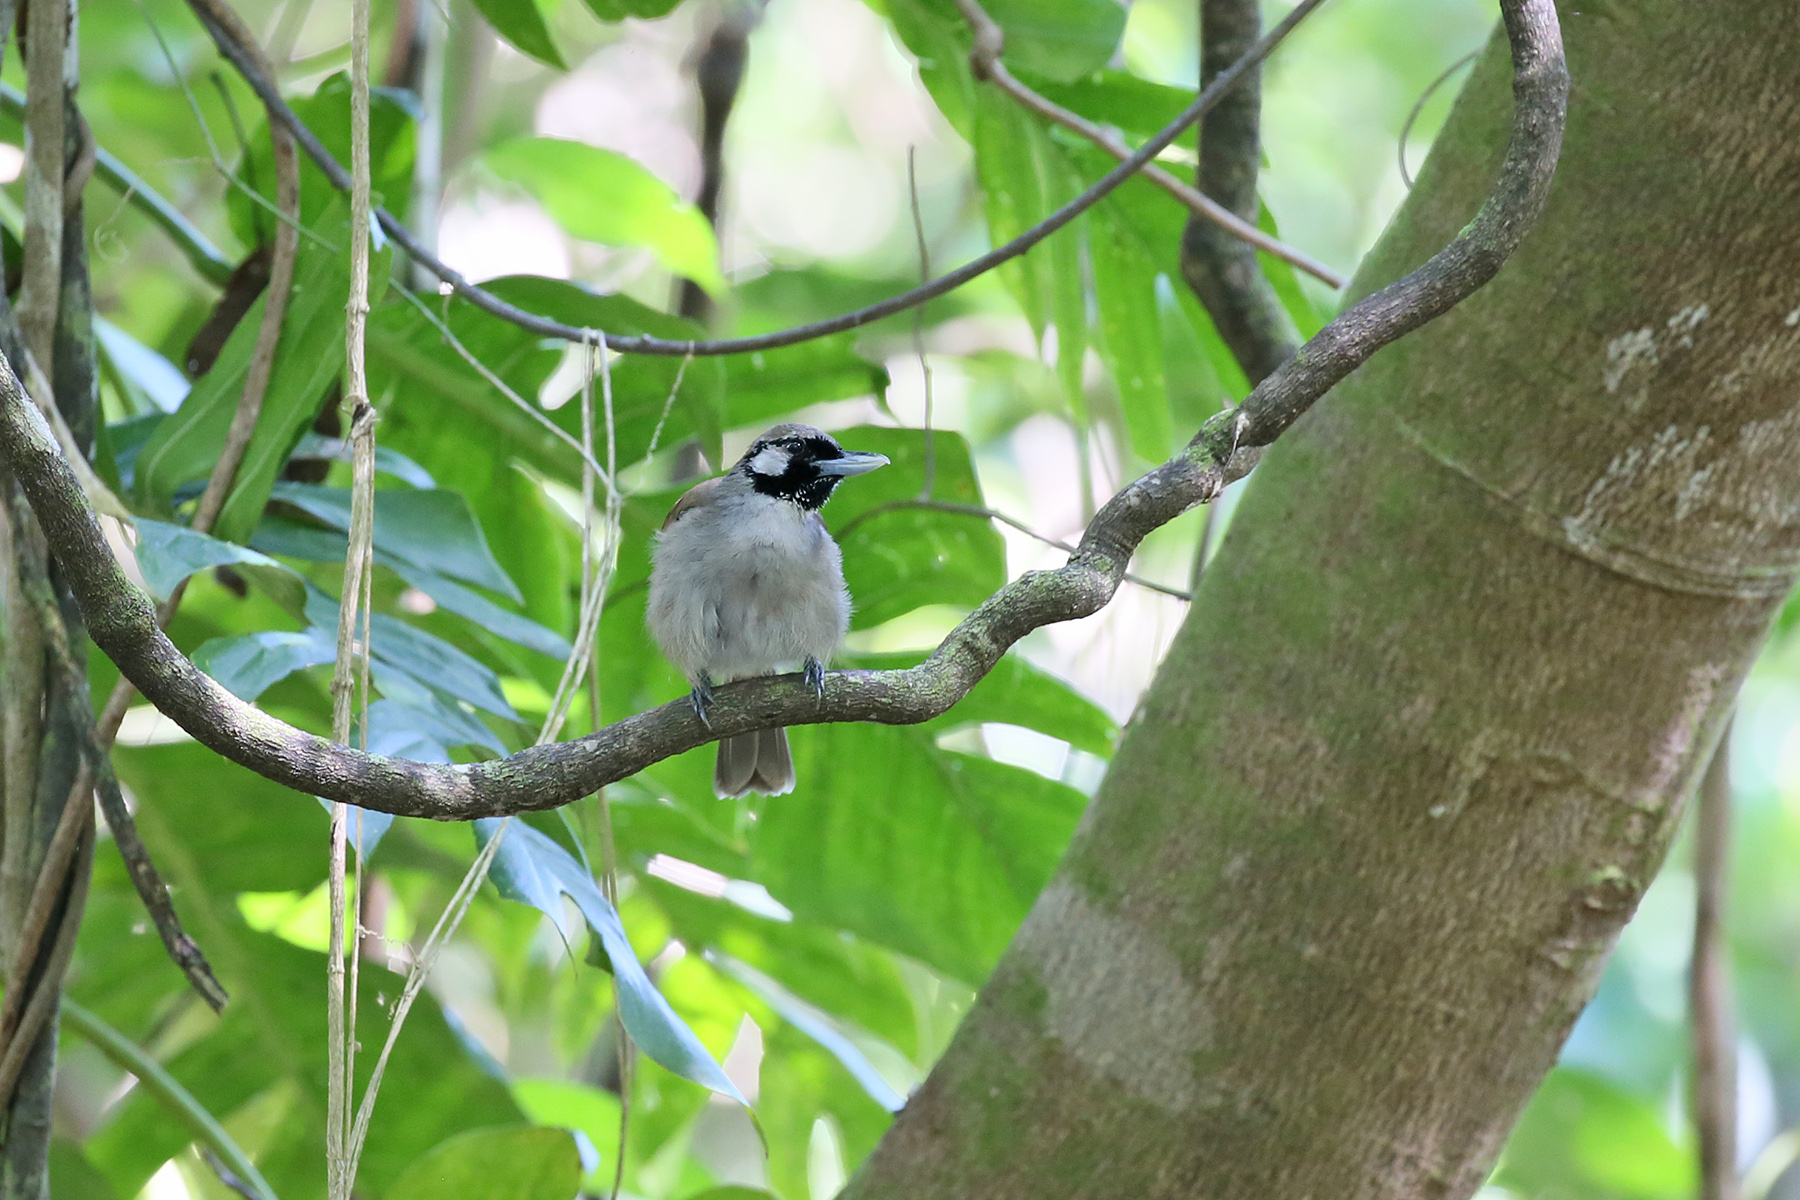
852 462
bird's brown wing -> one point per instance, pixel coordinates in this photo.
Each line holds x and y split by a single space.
694 495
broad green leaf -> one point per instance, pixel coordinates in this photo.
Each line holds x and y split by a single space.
1059 39
273 1036
1009 164
518 1162
453 597
1137 106
433 529
392 113
1585 1136
801 1083
168 554
644 389
773 383
602 196
898 557
935 854
439 663
1017 693
387 459
618 10
586 1111
533 869
249 664
1125 289
73 1177
185 446
522 23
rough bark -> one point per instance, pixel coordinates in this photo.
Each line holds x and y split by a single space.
1424 738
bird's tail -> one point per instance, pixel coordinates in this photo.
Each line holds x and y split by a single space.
754 762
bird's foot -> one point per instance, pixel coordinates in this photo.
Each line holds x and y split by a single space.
700 697
814 674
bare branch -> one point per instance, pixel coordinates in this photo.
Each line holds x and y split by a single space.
1222 271
122 621
334 171
985 62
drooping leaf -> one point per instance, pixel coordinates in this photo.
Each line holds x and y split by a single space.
516 1162
453 597
531 868
140 369
602 196
168 554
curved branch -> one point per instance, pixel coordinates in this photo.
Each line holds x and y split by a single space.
122 621
942 285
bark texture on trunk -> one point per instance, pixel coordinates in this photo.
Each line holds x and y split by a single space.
1425 736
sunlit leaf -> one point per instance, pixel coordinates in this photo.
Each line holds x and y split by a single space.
602 196
519 1162
1061 39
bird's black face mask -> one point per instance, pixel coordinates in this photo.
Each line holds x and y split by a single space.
803 469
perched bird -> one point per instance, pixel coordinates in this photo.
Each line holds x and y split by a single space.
746 581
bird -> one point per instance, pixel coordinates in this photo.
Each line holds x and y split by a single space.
746 581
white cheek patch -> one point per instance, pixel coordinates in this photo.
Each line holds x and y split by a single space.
771 461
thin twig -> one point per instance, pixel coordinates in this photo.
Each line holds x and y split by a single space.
122 623
985 62
929 474
46 986
1419 106
1710 1003
644 344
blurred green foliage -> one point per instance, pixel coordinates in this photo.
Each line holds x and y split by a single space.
813 952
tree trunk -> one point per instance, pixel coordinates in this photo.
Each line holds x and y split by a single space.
1423 740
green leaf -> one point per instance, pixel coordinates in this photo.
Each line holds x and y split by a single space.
433 529
935 854
587 1111
618 10
453 597
643 386
602 196
1059 39
168 554
1017 693
1585 1136
392 115
522 23
519 1162
249 664
387 459
150 377
187 444
1131 103
817 1025
1125 289
898 558
533 869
